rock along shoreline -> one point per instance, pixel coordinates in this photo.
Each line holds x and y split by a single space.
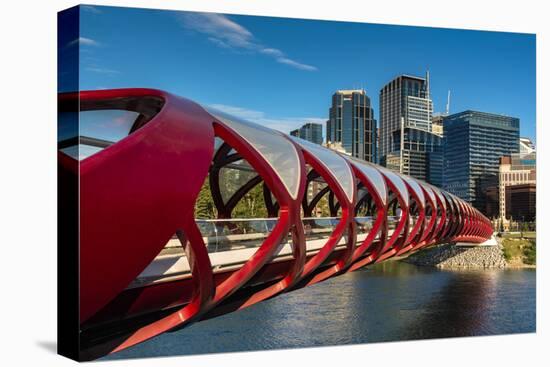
449 256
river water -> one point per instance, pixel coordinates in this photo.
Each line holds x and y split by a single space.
387 302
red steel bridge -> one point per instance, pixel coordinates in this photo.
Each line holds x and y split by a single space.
149 266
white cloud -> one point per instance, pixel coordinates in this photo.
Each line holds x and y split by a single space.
284 124
297 65
88 41
226 33
219 27
84 42
218 42
90 9
89 61
101 70
272 52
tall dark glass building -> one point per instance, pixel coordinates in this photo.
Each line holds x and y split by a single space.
311 132
407 142
473 144
420 155
352 125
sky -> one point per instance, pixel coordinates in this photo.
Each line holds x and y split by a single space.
282 72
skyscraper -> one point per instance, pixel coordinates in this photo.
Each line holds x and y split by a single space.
437 123
351 124
311 132
473 144
407 142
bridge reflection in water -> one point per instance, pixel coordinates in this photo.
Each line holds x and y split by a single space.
149 264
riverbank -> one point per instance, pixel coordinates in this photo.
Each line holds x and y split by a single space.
451 256
511 252
519 252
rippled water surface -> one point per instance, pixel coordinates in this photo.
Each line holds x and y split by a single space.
388 302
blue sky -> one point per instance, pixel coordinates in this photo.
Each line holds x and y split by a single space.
282 72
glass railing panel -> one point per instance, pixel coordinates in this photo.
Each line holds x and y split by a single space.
319 228
364 224
233 234
392 222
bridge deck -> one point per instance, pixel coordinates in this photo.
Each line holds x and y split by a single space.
230 251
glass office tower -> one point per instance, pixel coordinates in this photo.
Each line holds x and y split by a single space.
473 144
420 156
406 112
311 132
351 124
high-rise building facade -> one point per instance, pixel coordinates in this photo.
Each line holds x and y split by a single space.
514 170
473 144
437 124
407 142
522 201
351 124
311 132
420 155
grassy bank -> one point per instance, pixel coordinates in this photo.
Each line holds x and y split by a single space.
519 251
525 235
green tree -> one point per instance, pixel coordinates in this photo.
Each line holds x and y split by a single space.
530 253
204 206
252 204
322 207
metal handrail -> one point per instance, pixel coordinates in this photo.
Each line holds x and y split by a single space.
218 237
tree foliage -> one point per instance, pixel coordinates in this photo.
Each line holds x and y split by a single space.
322 207
252 204
204 206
